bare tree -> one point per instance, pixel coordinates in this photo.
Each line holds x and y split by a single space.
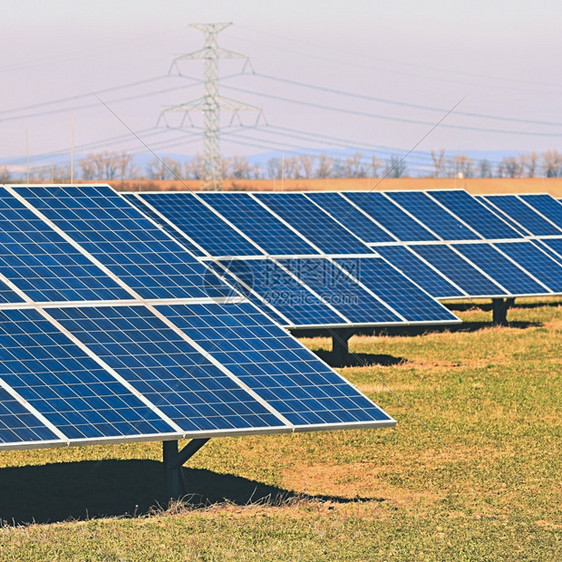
552 164
274 168
438 162
510 167
307 165
325 166
395 168
238 167
195 168
463 165
530 163
353 166
376 164
485 168
164 168
5 176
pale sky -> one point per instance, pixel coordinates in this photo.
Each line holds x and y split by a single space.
398 67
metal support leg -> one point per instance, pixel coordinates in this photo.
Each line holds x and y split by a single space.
173 462
499 311
340 346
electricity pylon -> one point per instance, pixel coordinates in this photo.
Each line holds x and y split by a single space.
210 104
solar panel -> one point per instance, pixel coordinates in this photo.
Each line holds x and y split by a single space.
18 425
501 269
44 265
402 295
354 219
273 364
65 385
475 214
546 205
313 223
427 277
269 233
284 293
459 271
117 369
136 200
524 215
123 240
200 223
431 214
536 262
386 213
554 245
165 368
342 291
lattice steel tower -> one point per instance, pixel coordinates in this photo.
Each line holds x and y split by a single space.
210 104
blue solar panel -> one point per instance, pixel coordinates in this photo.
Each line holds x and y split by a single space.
547 206
432 215
258 224
173 232
275 365
69 388
554 245
313 223
458 270
341 292
18 425
385 212
529 219
414 268
536 262
474 213
353 219
42 264
397 291
284 293
201 224
166 369
121 238
488 259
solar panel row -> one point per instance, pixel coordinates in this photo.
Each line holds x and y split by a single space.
294 274
140 340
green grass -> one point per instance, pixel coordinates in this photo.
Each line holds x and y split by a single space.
471 472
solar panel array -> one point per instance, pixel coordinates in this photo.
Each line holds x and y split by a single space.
111 330
295 260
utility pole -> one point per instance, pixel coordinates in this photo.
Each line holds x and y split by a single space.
210 104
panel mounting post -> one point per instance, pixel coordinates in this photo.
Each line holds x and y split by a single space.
499 311
173 462
340 345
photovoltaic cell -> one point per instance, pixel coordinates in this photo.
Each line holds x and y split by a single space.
342 292
283 292
536 262
313 223
273 364
474 213
397 291
554 245
416 270
18 425
458 270
546 205
69 388
201 224
258 224
122 239
386 213
431 214
183 240
497 266
165 368
515 209
42 264
353 219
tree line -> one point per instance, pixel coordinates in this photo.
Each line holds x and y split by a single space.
108 165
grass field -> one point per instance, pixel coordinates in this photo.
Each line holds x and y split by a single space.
471 472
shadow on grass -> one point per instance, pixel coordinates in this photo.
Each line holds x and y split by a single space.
112 488
362 359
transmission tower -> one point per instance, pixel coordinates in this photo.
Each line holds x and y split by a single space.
210 104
